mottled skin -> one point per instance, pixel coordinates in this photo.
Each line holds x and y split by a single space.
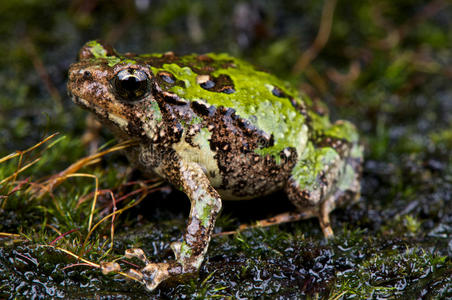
217 128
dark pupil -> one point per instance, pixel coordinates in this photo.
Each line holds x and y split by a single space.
131 84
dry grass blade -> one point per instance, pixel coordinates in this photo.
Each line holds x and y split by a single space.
21 153
87 262
282 218
14 175
20 168
9 235
145 190
57 179
93 205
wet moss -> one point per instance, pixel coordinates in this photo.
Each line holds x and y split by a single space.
385 68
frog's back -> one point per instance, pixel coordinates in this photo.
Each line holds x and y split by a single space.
248 129
291 137
220 80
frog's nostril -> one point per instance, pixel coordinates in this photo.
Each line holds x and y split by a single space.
87 75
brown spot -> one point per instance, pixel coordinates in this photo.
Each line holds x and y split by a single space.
279 92
159 61
221 84
227 90
341 146
204 58
244 172
203 108
166 80
167 77
173 99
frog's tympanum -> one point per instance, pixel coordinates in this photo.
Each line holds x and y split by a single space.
217 128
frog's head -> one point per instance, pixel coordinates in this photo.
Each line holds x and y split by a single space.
116 88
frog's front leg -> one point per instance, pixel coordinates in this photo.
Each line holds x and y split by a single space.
205 206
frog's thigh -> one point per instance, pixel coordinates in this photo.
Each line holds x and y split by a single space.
205 206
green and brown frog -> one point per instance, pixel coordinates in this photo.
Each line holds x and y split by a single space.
219 129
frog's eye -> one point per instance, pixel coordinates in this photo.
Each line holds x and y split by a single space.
131 84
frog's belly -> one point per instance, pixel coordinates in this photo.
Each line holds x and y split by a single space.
231 195
236 174
244 180
234 184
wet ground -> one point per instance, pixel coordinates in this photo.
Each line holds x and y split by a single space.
384 66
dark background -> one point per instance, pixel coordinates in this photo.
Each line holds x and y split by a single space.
385 65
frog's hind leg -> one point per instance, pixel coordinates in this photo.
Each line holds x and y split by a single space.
286 217
324 218
327 175
321 212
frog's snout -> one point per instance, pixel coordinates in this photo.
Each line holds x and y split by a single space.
79 74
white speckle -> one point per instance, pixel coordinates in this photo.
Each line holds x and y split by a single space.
202 79
287 152
202 154
203 103
83 102
191 131
118 120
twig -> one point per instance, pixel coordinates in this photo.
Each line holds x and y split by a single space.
395 36
321 39
41 70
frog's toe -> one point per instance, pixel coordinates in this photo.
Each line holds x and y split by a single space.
108 267
151 275
154 273
176 246
137 253
135 274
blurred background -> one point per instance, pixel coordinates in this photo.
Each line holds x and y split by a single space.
384 65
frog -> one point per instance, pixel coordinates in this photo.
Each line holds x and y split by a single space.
217 128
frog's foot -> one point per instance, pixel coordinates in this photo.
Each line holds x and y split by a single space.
324 219
153 273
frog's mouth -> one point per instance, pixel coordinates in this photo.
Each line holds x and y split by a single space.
100 114
85 104
80 101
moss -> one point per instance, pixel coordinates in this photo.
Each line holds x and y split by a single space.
394 243
276 116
